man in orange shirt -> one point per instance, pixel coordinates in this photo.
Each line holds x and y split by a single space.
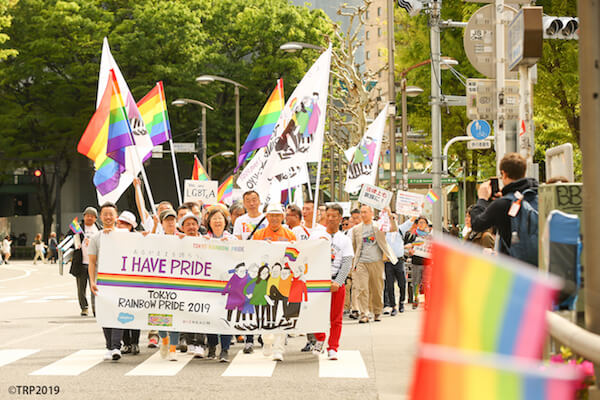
274 232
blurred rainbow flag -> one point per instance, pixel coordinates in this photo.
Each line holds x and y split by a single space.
484 303
225 192
265 124
431 196
75 227
199 173
106 136
153 108
447 374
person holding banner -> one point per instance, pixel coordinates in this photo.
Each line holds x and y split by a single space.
371 249
395 273
418 245
276 232
341 262
113 336
149 222
216 222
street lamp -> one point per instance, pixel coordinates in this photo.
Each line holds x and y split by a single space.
226 153
412 91
202 135
205 79
292 47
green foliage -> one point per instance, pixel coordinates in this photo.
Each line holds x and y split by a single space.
5 21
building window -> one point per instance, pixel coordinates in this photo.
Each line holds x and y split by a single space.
379 11
368 35
368 55
379 32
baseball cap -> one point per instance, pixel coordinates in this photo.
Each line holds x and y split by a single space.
128 217
188 216
167 213
274 208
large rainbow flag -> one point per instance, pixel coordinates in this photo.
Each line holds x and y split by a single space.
265 124
199 173
484 303
225 192
106 136
447 374
153 107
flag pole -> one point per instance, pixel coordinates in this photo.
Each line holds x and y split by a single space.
318 183
168 131
139 159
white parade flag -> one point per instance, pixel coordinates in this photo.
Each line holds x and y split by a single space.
298 135
142 140
363 164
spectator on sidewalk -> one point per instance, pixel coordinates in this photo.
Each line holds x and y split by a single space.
52 244
484 239
395 273
40 249
370 251
6 248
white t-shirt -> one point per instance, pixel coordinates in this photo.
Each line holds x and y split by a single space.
6 246
148 224
301 232
341 246
89 231
244 225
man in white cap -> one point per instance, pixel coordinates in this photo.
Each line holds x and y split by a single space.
80 259
276 232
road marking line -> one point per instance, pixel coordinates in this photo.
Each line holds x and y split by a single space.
254 364
26 338
349 364
11 298
73 364
46 299
157 366
11 355
27 272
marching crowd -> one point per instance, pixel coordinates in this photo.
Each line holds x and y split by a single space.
367 259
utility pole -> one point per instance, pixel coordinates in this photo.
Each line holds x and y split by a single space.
436 117
589 54
392 98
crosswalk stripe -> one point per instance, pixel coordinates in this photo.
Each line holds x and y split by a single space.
11 298
11 355
47 299
254 364
73 364
349 364
157 366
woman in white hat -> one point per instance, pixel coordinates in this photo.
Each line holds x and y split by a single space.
131 337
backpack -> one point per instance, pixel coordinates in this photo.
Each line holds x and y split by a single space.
524 227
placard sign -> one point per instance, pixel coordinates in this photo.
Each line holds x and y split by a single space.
410 204
374 196
204 191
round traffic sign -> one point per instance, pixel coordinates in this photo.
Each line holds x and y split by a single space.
479 129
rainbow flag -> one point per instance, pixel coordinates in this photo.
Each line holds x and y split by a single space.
431 196
225 192
105 138
75 227
447 374
483 303
153 108
265 124
291 253
199 173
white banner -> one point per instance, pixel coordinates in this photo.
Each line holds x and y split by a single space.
205 191
375 197
408 203
213 286
365 158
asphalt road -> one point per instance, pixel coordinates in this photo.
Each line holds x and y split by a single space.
46 346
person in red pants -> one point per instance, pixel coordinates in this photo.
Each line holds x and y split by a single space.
341 262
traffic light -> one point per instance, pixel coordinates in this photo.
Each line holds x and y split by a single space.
566 28
37 173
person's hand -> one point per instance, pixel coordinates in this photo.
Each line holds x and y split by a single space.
485 190
224 239
107 230
181 235
136 182
94 288
155 219
334 287
144 233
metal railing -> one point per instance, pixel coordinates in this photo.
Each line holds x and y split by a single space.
580 341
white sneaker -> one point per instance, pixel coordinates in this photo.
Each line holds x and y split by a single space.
164 349
172 356
267 349
318 348
387 310
191 349
199 352
277 356
332 355
116 354
108 355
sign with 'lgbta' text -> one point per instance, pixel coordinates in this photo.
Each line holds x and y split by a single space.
193 284
204 191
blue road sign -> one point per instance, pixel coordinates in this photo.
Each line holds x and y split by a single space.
479 129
